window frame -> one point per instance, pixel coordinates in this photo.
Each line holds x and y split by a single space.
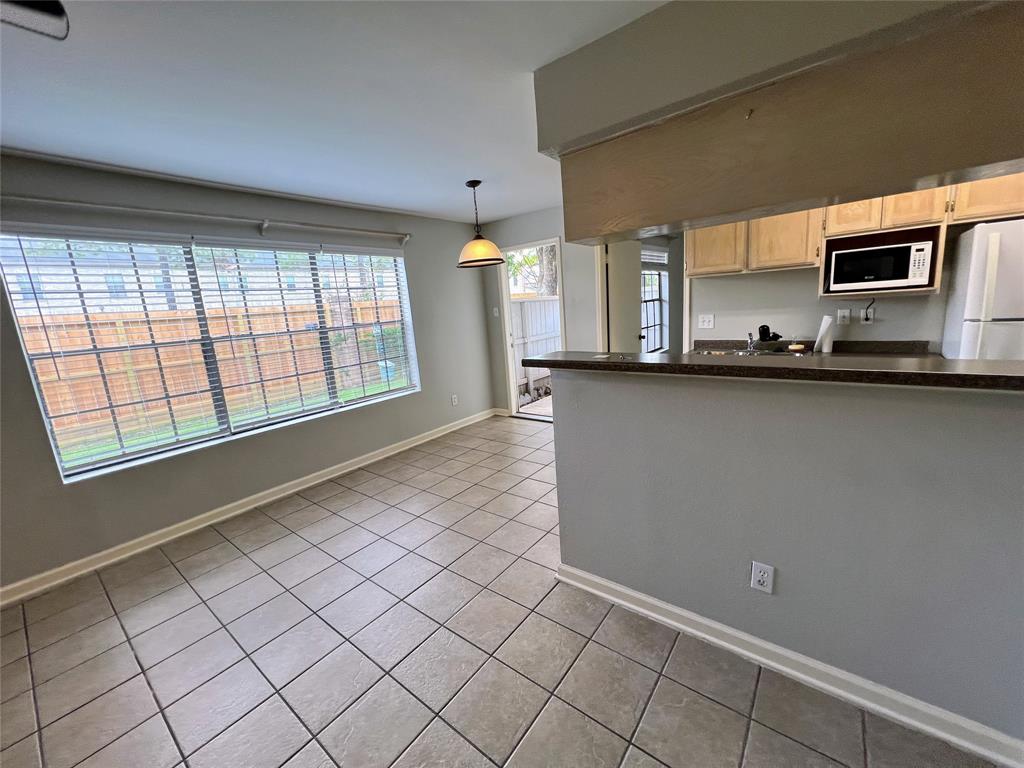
225 432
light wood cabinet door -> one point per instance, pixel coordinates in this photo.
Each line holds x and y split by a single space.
789 240
989 198
909 209
860 216
716 250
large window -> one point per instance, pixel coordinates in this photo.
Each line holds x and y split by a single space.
137 348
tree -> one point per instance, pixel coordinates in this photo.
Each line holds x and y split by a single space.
536 268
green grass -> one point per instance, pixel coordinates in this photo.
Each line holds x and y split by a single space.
80 452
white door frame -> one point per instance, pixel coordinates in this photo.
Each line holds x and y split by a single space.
511 384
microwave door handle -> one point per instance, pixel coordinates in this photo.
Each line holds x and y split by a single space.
991 274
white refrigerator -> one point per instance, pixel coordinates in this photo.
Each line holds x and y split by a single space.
985 310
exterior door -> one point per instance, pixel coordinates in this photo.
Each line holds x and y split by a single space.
533 322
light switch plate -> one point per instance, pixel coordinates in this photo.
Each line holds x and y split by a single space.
842 317
705 321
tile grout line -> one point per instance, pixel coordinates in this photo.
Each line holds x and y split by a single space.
864 737
145 677
650 696
37 733
750 719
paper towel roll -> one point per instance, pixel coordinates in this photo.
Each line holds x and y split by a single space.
823 343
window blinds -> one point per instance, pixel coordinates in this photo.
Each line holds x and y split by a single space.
137 348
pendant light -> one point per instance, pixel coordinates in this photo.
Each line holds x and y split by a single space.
479 252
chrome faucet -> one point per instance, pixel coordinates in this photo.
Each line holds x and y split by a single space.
750 342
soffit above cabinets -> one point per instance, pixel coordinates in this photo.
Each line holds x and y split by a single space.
685 54
934 111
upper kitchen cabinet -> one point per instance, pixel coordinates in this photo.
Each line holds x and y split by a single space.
716 250
859 216
989 198
926 206
910 209
789 240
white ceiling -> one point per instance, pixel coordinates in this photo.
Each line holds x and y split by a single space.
388 104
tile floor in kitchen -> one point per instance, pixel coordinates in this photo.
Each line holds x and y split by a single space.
405 614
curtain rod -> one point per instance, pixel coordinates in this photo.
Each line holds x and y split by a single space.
262 224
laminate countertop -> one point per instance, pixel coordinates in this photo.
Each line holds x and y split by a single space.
899 370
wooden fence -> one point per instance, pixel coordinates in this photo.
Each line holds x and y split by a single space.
536 329
128 369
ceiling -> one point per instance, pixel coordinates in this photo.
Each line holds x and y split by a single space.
385 104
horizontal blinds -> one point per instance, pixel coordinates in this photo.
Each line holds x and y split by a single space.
137 348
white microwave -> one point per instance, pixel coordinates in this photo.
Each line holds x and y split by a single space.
886 267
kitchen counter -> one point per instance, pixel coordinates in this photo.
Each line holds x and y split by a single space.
900 370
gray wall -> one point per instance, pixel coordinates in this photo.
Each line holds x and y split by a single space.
686 53
893 517
788 301
46 524
579 287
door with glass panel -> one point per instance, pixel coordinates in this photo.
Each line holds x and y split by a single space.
533 322
653 310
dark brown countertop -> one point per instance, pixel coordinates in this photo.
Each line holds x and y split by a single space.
909 370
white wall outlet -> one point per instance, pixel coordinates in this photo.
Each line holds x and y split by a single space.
496 313
842 317
455 400
762 577
867 316
705 321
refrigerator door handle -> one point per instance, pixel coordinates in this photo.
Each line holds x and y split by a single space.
991 274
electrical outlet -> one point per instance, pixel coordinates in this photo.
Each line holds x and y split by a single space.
705 321
496 313
867 316
842 317
762 577
455 400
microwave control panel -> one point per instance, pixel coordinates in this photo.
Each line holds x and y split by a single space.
920 262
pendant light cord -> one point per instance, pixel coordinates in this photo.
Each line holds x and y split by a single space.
476 213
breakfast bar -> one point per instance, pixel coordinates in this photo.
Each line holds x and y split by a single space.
885 490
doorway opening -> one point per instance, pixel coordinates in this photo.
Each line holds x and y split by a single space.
534 322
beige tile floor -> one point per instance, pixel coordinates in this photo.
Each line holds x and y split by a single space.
406 615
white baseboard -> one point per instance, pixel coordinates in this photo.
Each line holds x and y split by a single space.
913 713
34 585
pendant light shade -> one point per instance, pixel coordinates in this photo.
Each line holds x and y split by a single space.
479 252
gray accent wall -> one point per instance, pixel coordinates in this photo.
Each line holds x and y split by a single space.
894 518
46 524
579 287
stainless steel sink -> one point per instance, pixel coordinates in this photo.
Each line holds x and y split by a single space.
747 353
721 352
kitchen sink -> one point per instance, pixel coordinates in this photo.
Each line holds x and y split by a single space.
748 353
